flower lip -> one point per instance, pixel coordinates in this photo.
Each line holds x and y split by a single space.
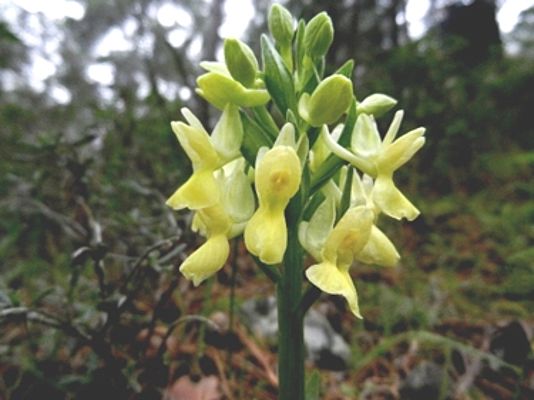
278 174
277 177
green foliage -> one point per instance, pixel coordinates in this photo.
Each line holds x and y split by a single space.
467 112
313 386
277 77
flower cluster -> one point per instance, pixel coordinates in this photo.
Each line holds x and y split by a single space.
287 132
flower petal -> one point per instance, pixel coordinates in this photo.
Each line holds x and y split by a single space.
365 138
215 66
206 260
393 128
227 135
356 160
192 120
401 150
214 220
334 280
313 234
238 197
349 235
199 191
278 176
391 201
266 235
379 250
197 145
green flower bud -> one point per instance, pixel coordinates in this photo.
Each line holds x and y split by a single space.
281 25
220 90
240 61
330 99
318 35
376 104
227 135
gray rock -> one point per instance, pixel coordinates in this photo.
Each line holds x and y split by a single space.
260 316
325 347
426 382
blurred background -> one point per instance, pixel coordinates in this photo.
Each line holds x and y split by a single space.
91 302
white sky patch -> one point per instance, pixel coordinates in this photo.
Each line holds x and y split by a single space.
102 73
9 14
508 14
166 15
107 94
33 36
39 70
177 37
415 13
60 94
9 80
168 89
195 47
143 87
145 44
129 26
185 93
114 40
238 14
53 9
170 15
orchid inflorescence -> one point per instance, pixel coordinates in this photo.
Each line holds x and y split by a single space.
287 132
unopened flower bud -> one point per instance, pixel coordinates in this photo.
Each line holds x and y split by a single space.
376 104
281 25
330 99
240 61
220 90
318 35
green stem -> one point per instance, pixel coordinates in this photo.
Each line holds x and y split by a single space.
233 276
290 318
268 270
309 297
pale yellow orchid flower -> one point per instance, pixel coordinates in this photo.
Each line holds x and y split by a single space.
354 238
380 159
207 154
211 256
219 223
277 179
379 249
342 244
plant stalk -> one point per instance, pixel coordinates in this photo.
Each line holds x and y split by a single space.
290 317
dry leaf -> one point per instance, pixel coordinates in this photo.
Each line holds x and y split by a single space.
207 388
